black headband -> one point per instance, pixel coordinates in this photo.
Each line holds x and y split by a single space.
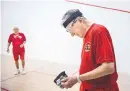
72 17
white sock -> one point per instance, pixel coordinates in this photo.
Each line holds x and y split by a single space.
18 70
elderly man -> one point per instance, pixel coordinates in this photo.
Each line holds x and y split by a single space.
98 65
18 40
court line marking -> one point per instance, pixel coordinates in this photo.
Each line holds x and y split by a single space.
98 6
4 89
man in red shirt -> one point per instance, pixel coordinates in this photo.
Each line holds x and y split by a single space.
98 65
18 40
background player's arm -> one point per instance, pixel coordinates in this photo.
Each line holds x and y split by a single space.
103 70
8 47
24 42
22 45
9 42
24 38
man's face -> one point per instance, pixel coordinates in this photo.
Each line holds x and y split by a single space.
16 30
75 28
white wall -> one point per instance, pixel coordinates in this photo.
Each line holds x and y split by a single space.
47 40
0 29
0 41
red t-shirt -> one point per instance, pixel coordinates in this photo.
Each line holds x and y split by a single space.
17 40
97 49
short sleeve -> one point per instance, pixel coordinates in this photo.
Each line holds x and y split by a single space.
24 38
104 48
10 39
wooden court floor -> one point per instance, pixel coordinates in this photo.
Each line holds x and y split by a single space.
40 76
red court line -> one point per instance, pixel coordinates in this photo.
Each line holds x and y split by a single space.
4 89
98 6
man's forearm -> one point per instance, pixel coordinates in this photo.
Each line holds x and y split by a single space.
24 42
8 45
103 70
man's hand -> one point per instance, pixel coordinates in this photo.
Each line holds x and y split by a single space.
8 50
22 45
69 82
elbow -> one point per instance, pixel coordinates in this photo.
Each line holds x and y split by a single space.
110 69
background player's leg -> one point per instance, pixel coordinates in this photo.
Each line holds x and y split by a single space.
17 64
23 62
16 57
23 66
